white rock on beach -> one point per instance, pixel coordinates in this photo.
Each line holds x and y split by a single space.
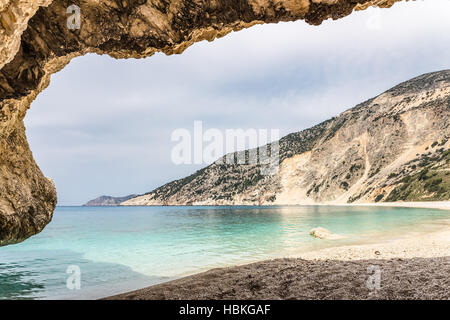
323 233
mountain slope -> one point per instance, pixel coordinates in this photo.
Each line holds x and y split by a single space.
108 201
389 148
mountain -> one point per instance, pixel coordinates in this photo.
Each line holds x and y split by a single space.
108 201
394 147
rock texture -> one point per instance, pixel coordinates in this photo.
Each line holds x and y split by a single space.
107 201
389 148
35 42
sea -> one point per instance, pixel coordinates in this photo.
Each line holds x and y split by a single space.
95 252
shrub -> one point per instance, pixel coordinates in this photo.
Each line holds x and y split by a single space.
379 197
344 185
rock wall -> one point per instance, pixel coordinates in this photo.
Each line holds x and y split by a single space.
35 42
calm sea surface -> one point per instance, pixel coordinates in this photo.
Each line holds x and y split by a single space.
118 249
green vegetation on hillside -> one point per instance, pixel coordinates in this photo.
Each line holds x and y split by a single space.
431 183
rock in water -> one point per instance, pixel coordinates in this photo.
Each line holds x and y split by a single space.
323 233
320 233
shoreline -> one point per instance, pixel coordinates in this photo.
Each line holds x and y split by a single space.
417 245
410 265
440 205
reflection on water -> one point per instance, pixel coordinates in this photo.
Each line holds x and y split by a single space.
124 248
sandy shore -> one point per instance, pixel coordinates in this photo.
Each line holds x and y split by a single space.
432 245
443 205
414 267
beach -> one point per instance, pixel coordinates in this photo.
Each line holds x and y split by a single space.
413 266
442 205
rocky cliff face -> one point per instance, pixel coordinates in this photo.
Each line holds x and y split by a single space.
35 42
392 147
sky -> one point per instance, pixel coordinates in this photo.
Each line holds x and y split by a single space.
104 126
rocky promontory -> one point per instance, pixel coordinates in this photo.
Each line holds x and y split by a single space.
107 201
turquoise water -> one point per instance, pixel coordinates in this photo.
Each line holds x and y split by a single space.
123 248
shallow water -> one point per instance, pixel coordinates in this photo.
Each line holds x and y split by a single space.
119 249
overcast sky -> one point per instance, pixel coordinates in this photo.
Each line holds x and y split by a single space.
104 126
